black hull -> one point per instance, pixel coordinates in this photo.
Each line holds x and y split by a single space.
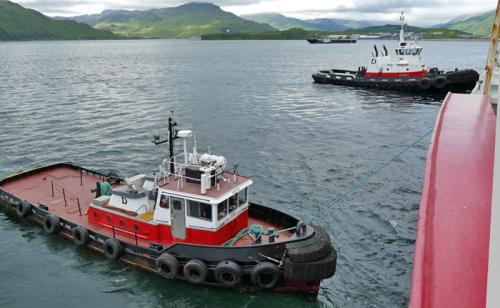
317 41
456 81
306 258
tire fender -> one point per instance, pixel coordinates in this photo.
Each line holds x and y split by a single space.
265 275
439 82
228 274
81 236
167 265
51 224
195 271
23 209
424 83
112 249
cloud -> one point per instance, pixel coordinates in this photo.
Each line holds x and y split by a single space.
418 12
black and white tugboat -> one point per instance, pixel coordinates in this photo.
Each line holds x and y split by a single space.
404 71
192 220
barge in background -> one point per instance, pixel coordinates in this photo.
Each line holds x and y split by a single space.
403 72
334 39
192 220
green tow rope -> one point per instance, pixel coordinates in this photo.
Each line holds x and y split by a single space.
369 176
346 193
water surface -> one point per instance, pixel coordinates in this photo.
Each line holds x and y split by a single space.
98 104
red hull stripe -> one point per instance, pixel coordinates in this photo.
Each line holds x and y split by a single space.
401 74
451 252
160 233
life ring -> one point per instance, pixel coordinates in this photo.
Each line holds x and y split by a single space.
439 82
195 271
167 265
23 209
265 275
81 236
51 224
424 83
228 274
112 249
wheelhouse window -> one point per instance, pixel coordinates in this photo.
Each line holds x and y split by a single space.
243 196
221 210
232 203
164 204
199 210
408 52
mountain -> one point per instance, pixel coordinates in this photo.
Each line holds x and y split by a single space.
19 23
333 24
477 25
188 20
279 21
282 22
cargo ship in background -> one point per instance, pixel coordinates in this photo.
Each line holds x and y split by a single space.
334 39
457 251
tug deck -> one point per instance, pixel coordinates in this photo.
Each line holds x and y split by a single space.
66 192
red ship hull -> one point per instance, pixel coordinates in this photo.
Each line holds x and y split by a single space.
451 253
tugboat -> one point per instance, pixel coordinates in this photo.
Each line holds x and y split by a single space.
332 39
404 72
191 220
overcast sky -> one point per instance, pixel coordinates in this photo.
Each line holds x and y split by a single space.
418 12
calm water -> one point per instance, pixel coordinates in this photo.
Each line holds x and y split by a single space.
99 103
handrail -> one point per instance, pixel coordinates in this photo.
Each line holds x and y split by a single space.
492 53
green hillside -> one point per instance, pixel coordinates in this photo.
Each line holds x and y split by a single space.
19 23
282 22
301 34
279 21
477 25
189 20
290 34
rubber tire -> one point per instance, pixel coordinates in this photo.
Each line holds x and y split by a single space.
439 82
51 224
311 271
424 84
23 209
225 269
199 269
167 266
314 248
112 249
265 268
81 236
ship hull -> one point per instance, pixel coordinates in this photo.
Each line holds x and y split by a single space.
294 272
333 41
457 81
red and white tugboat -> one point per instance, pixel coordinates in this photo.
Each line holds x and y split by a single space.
192 220
404 71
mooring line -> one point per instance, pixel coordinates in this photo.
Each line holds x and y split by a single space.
373 173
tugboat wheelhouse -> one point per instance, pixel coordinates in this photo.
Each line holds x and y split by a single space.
191 220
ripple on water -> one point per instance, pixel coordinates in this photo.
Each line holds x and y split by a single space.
99 103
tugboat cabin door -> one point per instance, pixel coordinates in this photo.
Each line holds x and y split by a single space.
178 218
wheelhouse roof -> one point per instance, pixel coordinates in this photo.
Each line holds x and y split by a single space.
191 190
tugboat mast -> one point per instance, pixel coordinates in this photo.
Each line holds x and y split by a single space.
402 42
172 135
